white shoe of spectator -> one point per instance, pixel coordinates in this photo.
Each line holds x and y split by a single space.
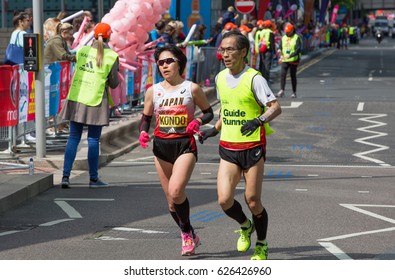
30 138
50 132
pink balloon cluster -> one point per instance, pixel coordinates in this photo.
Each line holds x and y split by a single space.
131 21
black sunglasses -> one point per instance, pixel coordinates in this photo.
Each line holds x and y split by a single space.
168 61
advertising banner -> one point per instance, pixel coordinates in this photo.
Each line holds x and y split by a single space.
31 86
23 95
9 91
64 83
54 90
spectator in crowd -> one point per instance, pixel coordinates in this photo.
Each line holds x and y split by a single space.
57 48
87 102
167 36
264 45
228 27
90 24
21 23
29 11
157 31
49 28
229 16
178 35
216 31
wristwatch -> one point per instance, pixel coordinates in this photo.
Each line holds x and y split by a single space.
262 119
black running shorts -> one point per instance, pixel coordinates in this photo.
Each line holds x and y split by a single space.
245 159
169 149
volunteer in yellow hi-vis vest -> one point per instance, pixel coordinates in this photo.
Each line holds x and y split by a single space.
88 101
266 49
289 52
247 104
89 77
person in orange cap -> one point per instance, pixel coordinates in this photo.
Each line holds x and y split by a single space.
343 36
265 47
244 29
229 26
290 51
87 103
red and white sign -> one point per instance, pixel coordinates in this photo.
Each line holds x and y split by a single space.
244 6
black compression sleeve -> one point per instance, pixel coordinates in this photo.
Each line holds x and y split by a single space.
207 116
145 123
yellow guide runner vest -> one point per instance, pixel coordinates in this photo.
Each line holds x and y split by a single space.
89 81
288 47
236 112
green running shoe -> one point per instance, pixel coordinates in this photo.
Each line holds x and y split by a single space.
261 252
244 242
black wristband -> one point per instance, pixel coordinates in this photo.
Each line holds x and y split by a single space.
145 123
207 116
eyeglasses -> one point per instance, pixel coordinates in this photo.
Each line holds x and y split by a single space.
228 50
168 61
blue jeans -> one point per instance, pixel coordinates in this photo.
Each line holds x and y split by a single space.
94 132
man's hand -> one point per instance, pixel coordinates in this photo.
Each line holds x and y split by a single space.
249 127
207 133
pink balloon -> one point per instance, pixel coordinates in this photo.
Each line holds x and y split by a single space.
117 26
131 37
140 33
166 3
157 7
107 19
134 9
120 41
146 8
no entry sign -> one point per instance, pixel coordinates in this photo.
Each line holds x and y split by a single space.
244 6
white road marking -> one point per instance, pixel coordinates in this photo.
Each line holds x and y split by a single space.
10 232
312 175
301 190
68 209
360 106
138 230
52 223
326 242
345 236
109 238
376 134
293 105
333 249
205 173
363 191
354 207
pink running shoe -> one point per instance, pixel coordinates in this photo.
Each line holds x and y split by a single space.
188 244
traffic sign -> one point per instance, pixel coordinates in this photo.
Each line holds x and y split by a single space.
244 6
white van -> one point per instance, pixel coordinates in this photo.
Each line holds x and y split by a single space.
382 24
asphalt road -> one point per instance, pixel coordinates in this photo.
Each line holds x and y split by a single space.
328 187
